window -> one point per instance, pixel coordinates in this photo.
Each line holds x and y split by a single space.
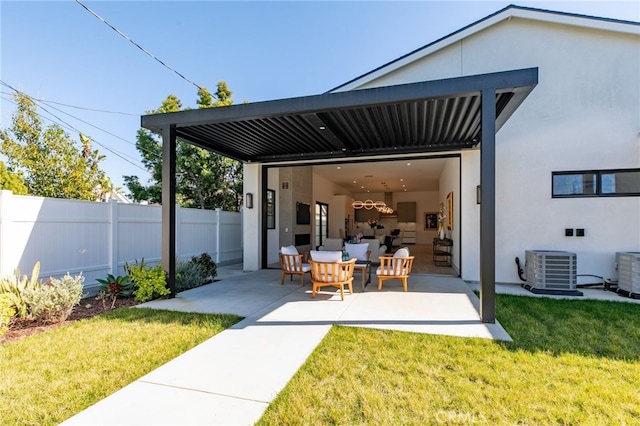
271 209
596 183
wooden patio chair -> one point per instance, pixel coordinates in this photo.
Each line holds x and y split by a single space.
293 264
396 267
332 274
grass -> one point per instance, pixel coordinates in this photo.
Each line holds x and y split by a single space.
49 377
571 362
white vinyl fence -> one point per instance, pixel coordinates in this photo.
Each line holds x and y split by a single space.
99 238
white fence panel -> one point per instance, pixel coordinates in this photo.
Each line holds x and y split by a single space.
99 238
138 234
197 232
229 245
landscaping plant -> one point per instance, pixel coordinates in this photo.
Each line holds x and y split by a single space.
189 275
7 311
53 300
150 283
112 287
207 264
16 286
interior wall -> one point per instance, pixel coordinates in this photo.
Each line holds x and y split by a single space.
450 184
273 235
296 186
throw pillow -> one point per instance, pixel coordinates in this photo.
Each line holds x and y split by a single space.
359 251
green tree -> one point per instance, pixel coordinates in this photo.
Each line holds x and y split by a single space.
204 179
51 162
11 181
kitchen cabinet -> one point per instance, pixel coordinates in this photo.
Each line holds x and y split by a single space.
407 211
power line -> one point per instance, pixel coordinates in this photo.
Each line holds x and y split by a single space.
70 127
136 44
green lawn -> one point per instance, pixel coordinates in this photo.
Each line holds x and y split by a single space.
49 377
571 362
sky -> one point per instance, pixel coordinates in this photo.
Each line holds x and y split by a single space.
56 51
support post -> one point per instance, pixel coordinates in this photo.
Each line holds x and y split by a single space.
488 208
169 206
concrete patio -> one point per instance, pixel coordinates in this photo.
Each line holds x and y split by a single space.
232 377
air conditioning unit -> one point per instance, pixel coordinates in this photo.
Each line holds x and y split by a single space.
551 272
629 273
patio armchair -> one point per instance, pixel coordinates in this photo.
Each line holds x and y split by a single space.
329 270
396 267
292 263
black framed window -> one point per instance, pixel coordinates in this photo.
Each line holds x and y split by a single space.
271 209
596 183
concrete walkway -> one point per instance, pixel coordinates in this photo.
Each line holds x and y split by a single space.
231 378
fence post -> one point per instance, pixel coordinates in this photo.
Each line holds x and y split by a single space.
5 226
114 224
218 228
178 228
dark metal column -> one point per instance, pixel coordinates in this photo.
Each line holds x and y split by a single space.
264 185
169 206
488 208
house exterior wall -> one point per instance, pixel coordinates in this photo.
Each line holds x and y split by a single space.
583 115
252 218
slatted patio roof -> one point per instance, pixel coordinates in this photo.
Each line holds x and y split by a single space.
427 116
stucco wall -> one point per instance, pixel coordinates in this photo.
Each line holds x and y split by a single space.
584 114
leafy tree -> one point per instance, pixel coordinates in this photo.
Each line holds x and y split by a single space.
50 161
204 179
11 181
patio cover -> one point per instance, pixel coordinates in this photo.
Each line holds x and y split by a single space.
430 116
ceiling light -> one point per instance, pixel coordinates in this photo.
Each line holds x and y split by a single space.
408 164
381 206
401 180
339 167
321 127
354 181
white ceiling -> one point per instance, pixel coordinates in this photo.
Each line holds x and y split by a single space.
385 176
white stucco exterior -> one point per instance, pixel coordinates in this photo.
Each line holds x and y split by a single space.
583 115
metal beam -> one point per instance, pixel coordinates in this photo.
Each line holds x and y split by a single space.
169 206
488 208
450 87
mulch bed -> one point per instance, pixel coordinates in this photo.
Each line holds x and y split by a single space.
87 308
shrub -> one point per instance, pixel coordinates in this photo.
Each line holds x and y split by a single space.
150 283
53 300
16 286
189 275
208 265
7 311
112 287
